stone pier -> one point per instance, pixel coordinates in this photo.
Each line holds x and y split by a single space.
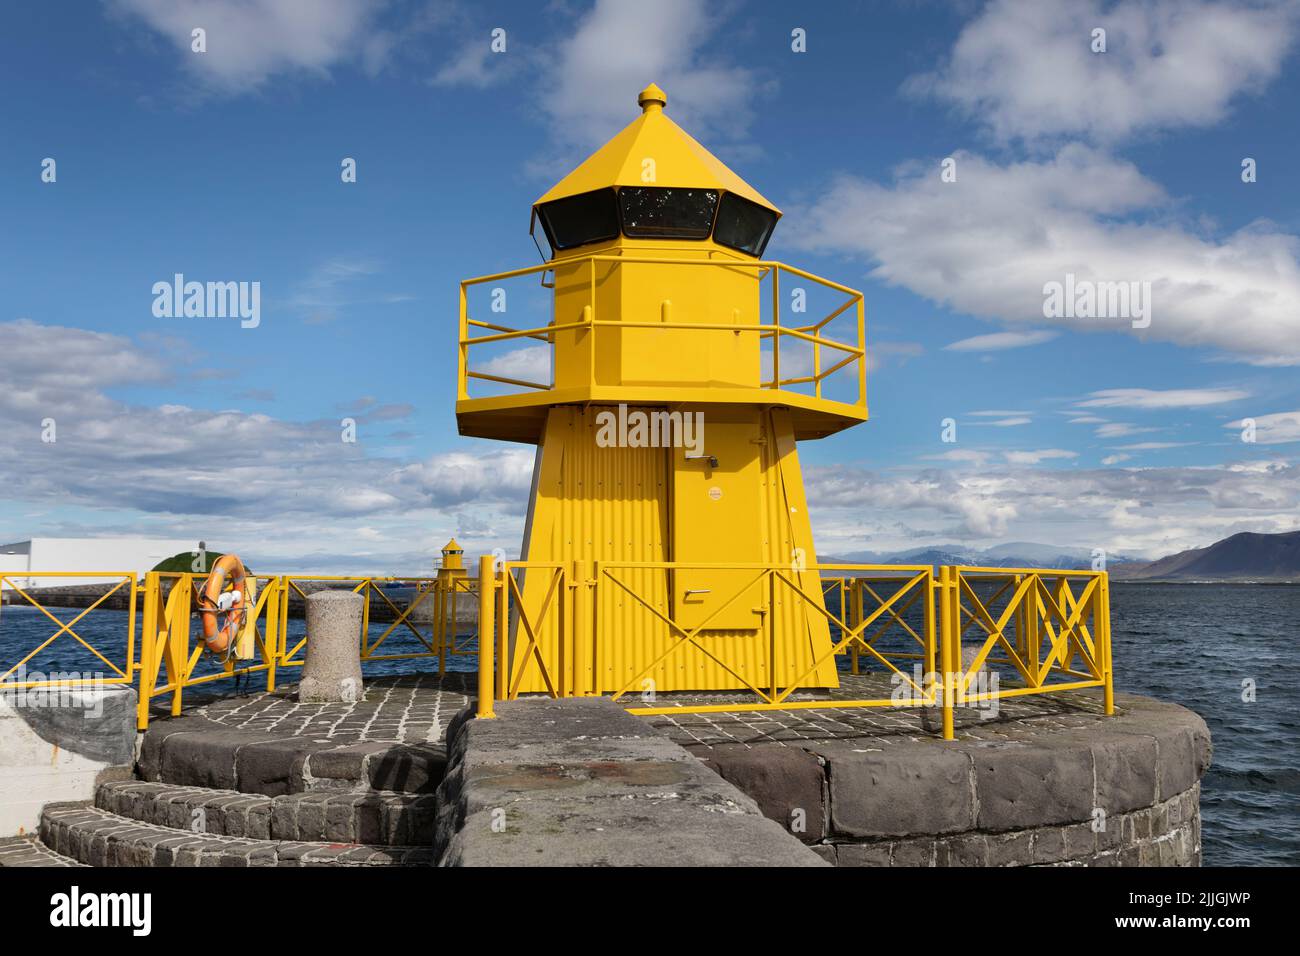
1047 780
406 776
581 782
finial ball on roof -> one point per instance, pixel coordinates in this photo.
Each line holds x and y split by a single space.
651 98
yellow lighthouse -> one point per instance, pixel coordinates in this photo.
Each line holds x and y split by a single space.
683 372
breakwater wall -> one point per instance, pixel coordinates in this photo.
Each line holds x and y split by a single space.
1111 791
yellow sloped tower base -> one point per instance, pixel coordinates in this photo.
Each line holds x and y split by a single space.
608 507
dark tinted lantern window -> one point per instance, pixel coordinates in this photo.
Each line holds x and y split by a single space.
578 220
743 225
651 212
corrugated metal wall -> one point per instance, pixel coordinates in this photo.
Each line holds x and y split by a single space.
611 505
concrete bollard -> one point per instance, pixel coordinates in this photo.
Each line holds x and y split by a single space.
332 670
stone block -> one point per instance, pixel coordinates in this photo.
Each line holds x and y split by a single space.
1126 768
1022 787
785 782
863 854
921 790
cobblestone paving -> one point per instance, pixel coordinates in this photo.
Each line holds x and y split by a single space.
1018 718
412 708
417 707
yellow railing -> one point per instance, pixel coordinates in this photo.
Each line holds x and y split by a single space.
811 333
374 591
171 639
172 651
1047 630
1050 627
118 661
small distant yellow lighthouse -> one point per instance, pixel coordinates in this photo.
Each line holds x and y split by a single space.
666 438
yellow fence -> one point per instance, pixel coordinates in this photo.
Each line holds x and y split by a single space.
172 651
424 618
117 660
933 635
171 639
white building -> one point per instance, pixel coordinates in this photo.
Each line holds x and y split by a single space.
23 560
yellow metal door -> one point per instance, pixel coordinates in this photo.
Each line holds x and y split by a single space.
715 521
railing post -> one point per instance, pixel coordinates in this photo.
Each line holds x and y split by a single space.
854 616
947 627
504 663
440 621
862 344
1034 638
575 620
148 650
931 652
368 586
486 633
130 628
1103 629
776 326
271 639
179 637
771 629
462 360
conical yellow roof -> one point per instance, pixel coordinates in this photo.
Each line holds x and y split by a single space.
680 161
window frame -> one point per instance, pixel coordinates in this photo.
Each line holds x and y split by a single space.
546 225
766 239
713 221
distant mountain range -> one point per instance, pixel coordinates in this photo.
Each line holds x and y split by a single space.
1017 554
1241 557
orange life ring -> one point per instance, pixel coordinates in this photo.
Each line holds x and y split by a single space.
227 571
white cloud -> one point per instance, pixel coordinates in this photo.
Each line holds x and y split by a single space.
1026 69
879 354
531 363
248 41
1150 398
1115 459
964 455
332 287
1151 511
997 341
1035 457
278 488
1120 429
988 243
618 48
1155 445
1274 429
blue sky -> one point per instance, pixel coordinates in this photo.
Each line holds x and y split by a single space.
1118 166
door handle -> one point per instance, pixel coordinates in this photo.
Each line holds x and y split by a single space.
690 591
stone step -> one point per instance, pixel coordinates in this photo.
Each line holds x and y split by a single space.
29 851
97 837
198 752
378 818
